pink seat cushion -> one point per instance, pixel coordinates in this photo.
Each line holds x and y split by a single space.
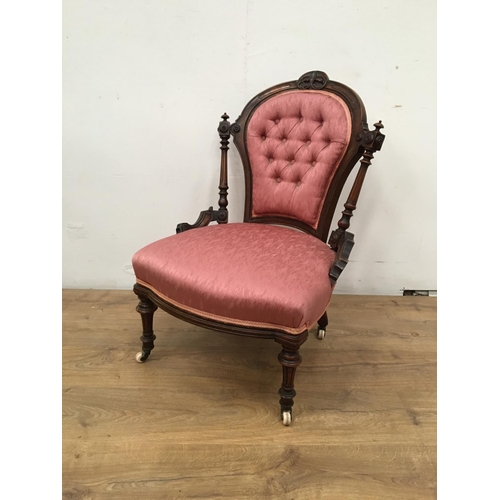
244 273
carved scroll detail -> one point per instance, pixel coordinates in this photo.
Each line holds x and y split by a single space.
204 219
343 246
315 80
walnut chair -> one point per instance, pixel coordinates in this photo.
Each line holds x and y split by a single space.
272 275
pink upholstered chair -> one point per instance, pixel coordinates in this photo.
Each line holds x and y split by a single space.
272 275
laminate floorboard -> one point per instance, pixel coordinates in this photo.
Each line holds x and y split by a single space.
200 419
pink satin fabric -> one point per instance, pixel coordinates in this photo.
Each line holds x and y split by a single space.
295 143
250 272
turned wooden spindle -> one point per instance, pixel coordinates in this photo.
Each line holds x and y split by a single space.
224 134
372 141
220 215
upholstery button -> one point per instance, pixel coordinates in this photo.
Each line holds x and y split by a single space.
301 119
298 183
263 137
271 160
308 142
283 140
276 121
292 162
278 179
313 163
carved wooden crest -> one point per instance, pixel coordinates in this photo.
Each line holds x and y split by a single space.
315 80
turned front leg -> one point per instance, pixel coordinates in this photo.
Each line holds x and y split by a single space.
290 360
146 309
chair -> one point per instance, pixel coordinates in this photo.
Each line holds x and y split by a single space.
272 275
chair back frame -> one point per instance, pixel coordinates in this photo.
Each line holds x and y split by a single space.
313 80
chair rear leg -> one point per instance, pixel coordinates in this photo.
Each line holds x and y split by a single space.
322 324
146 309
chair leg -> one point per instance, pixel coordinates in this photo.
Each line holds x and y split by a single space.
322 324
290 360
146 309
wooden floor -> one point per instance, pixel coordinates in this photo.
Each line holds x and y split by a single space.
200 419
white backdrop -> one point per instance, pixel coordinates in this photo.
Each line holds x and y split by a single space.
145 83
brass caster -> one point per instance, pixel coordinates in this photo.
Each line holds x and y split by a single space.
287 418
321 333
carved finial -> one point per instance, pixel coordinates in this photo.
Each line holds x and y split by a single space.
223 127
379 137
373 139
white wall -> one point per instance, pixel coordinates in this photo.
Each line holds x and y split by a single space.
144 85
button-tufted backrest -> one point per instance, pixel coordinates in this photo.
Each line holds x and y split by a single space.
298 142
295 142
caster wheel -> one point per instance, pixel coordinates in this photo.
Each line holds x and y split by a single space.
321 333
139 357
287 418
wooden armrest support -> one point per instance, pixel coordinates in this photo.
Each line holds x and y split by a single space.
343 244
221 215
204 219
340 240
